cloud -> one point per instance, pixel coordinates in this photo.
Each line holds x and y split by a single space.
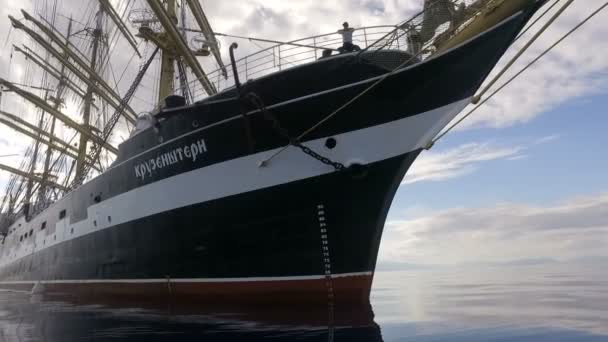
456 162
573 229
547 139
466 159
576 68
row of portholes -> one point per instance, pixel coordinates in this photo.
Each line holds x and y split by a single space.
62 215
26 235
14 256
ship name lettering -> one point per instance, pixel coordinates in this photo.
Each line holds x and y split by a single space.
191 152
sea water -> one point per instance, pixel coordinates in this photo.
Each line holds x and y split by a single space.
545 302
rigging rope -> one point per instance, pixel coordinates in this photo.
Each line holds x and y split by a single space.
478 97
107 131
559 41
537 19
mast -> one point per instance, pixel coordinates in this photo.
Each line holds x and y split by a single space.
31 178
88 100
75 64
37 101
120 25
33 161
49 150
173 45
211 40
36 133
167 68
51 70
29 184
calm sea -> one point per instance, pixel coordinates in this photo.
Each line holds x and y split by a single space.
526 303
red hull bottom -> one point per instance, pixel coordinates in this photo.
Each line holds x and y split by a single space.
337 289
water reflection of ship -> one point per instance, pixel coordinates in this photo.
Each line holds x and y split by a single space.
67 318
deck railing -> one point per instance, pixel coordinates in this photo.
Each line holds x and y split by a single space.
412 36
289 54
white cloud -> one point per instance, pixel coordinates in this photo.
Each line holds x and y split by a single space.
576 228
456 162
466 159
547 139
576 68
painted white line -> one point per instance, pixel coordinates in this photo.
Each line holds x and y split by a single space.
187 280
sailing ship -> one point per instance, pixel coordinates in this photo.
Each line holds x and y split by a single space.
275 187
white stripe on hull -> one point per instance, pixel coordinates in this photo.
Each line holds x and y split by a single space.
187 280
241 175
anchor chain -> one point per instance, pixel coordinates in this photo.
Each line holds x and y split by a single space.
307 150
254 99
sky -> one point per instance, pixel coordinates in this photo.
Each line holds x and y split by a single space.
523 180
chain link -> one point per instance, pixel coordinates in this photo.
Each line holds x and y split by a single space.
276 124
307 150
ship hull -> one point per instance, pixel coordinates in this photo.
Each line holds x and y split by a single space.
317 237
200 217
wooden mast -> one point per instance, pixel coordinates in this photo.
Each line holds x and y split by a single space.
168 57
88 99
203 23
173 44
49 151
89 84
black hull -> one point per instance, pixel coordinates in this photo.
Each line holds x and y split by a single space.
272 233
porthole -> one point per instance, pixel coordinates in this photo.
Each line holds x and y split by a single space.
331 143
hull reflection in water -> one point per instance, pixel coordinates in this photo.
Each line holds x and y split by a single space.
68 318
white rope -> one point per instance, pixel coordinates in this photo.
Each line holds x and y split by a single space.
574 29
478 97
